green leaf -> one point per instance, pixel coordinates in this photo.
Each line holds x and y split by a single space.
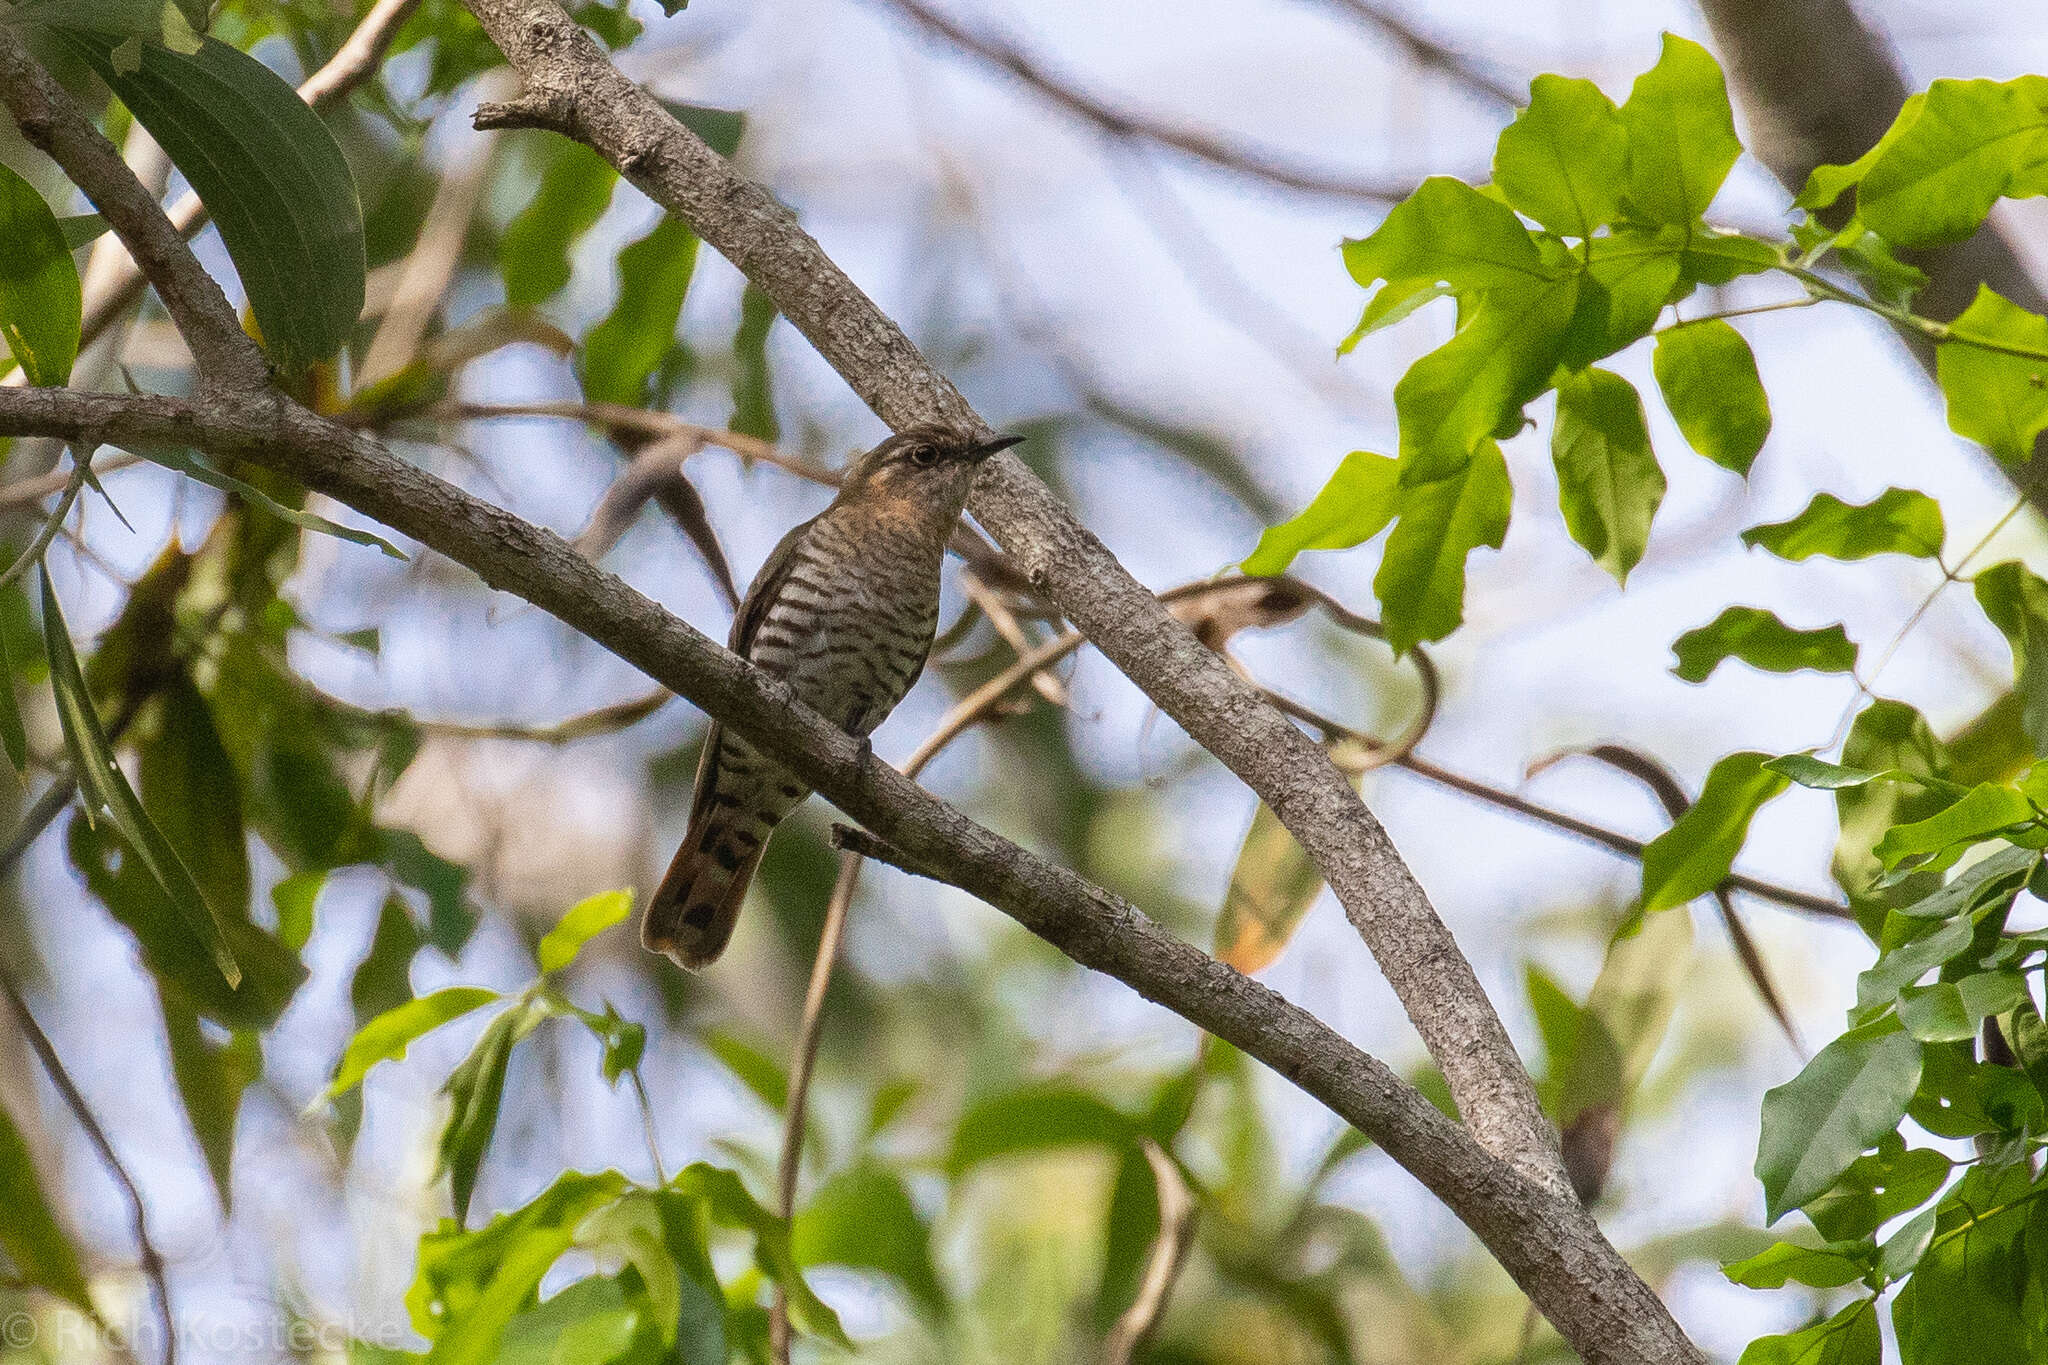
586 920
1353 507
471 1285
756 1070
1272 887
1421 579
720 128
81 229
660 1235
386 1037
271 175
1960 1097
294 899
103 785
574 191
1809 771
1564 160
1826 184
1899 521
726 1200
184 773
1823 1267
753 396
475 1089
12 734
1034 1119
1851 1094
30 1234
1694 855
1986 810
622 353
1951 1011
2016 601
1877 1188
1901 965
210 1078
1608 481
1850 1337
1904 1248
1997 877
1682 141
1964 1304
1965 145
1996 399
1625 1017
863 1217
1448 232
1887 736
1758 638
1709 381
40 301
1627 278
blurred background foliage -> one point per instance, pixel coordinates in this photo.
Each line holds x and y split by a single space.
392 782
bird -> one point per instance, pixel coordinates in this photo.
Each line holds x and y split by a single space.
843 611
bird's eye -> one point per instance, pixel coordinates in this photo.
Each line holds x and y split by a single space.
924 457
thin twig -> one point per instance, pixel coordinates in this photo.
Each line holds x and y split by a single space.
1121 123
1428 52
53 1066
81 470
1169 1254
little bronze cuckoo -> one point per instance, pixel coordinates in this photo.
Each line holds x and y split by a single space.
844 611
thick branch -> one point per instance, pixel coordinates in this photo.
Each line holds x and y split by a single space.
572 88
1544 1239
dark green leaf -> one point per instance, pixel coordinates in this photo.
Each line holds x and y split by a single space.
575 189
585 920
1682 141
471 1285
1850 1337
720 128
1694 855
1953 153
1130 1230
1035 1119
13 737
2016 601
184 773
753 396
385 1038
1564 160
475 1089
622 353
660 1235
81 229
1823 1267
103 785
1904 1248
1709 381
1903 964
1353 507
862 1217
1851 1094
1608 482
1998 877
1960 1097
755 1069
1898 521
1951 1011
1995 398
195 466
726 1200
271 175
1421 580
40 302
210 1078
30 1234
1759 639
1876 1188
1963 1304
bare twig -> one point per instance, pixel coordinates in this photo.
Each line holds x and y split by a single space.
81 470
138 1212
1123 124
1169 1253
1431 53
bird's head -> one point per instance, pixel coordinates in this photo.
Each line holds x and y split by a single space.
930 465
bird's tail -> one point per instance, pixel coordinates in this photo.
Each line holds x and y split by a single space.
693 911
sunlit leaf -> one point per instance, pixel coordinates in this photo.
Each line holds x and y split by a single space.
753 395
1823 1267
1850 1337
1353 507
1564 159
1608 481
585 920
1034 1119
1876 1188
2016 601
1967 1300
475 1090
40 300
1272 887
1709 381
1996 398
1951 1011
1958 149
1986 810
1851 1094
1682 141
1898 521
622 352
1694 855
1758 638
1421 580
386 1038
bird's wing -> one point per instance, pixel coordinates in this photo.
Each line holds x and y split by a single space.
746 623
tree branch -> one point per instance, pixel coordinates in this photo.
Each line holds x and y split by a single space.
572 88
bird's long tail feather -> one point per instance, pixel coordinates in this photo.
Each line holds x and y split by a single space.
693 911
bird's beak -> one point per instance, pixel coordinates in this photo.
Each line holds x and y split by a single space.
992 445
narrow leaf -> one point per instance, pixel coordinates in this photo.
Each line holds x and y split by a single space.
622 353
40 301
386 1037
586 920
575 189
30 1234
1987 809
